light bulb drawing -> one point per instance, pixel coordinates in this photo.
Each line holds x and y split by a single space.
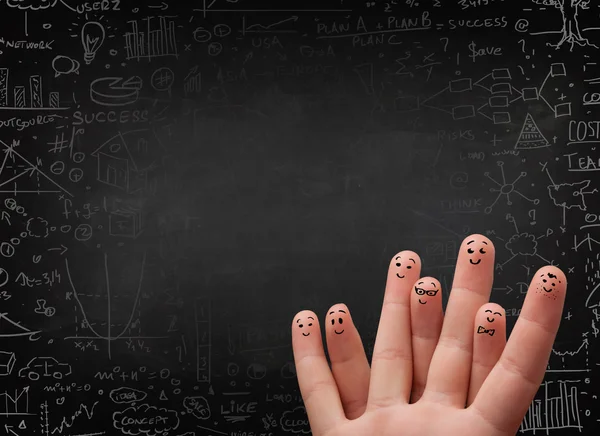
92 37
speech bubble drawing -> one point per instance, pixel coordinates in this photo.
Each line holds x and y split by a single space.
64 65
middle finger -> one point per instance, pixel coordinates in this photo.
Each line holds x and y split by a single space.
471 289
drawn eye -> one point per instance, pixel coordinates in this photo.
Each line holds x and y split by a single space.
310 324
332 321
340 320
398 264
481 251
470 251
544 280
408 267
300 325
553 284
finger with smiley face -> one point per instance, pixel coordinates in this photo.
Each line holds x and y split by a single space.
391 364
488 344
313 373
471 289
514 381
426 317
349 363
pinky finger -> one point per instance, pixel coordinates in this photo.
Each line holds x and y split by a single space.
317 386
488 344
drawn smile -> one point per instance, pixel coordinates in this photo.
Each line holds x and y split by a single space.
338 333
305 334
399 276
422 302
547 290
475 263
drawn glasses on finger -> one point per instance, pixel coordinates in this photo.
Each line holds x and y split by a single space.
430 293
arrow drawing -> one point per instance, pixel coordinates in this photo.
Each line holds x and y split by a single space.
62 249
162 6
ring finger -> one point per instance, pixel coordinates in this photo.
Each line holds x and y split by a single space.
349 363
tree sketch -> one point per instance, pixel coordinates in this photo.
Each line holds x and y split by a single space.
571 34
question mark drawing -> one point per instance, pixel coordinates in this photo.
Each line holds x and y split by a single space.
532 216
522 46
446 44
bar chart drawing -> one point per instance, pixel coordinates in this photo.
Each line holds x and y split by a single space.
157 41
557 409
26 97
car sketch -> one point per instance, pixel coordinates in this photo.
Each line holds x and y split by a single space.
45 367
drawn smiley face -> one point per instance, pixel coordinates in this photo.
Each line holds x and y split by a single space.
401 270
549 282
340 321
421 289
476 248
490 318
305 326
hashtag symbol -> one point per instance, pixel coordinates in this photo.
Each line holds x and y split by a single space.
59 144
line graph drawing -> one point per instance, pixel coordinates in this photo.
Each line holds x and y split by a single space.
574 360
66 422
109 336
505 188
21 167
554 412
15 405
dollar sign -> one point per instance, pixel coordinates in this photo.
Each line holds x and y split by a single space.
594 330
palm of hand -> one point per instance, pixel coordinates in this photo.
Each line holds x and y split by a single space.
418 419
431 373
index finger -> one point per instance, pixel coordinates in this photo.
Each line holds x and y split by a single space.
512 384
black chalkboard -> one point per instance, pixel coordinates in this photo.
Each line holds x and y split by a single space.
178 179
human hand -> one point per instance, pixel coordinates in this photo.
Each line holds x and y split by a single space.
431 373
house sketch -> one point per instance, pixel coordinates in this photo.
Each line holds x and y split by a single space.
131 161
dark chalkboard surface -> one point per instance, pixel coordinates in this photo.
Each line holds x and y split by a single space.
178 179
